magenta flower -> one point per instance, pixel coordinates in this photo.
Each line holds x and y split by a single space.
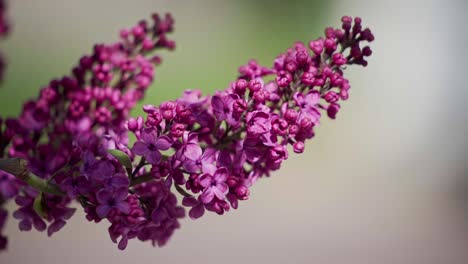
214 185
190 147
258 123
308 104
8 185
201 163
223 107
109 199
197 209
75 136
150 144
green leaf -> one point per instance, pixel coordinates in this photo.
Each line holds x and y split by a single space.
123 159
39 206
14 166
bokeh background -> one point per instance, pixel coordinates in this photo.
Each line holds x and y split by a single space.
387 182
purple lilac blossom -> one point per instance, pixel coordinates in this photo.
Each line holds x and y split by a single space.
238 135
210 149
64 134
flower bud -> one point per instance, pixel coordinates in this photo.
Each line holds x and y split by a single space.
298 147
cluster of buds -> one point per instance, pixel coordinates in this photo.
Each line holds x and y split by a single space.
72 142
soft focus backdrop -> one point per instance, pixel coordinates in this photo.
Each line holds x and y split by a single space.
387 182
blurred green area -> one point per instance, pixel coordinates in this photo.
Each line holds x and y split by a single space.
209 48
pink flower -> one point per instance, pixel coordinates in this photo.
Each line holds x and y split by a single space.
214 185
150 145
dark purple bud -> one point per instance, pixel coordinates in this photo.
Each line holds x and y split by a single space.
293 130
291 116
316 46
332 110
306 123
255 85
241 86
331 97
339 59
242 192
177 130
283 79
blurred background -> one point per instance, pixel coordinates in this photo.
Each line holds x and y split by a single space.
387 182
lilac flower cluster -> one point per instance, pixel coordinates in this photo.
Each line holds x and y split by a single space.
221 144
209 149
4 28
76 118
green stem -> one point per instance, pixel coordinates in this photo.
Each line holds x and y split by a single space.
18 168
141 179
42 185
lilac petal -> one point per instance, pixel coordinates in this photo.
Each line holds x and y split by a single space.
39 224
193 151
298 98
8 189
221 175
252 154
189 201
149 135
220 190
208 168
84 185
191 166
158 216
120 194
209 155
168 182
123 243
208 195
69 212
104 170
153 157
140 148
19 214
55 227
84 124
179 212
103 196
21 201
185 136
123 207
192 138
312 98
217 103
25 225
218 107
224 159
163 143
232 121
232 198
119 181
103 210
197 211
178 177
205 180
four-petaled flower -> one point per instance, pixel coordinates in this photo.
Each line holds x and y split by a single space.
214 185
109 199
309 104
150 144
